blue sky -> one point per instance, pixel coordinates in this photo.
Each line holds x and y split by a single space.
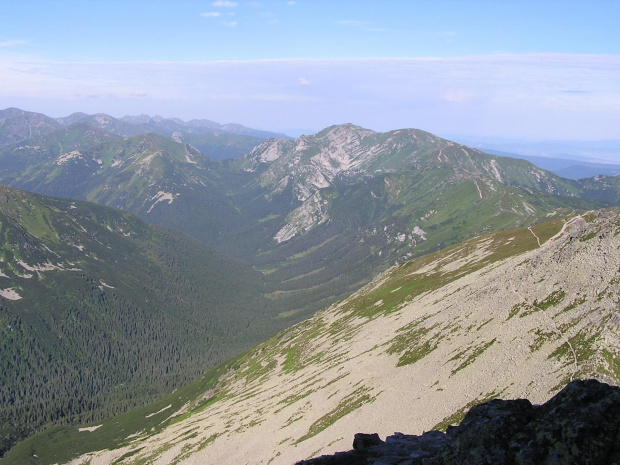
516 69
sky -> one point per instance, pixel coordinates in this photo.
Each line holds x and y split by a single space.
531 70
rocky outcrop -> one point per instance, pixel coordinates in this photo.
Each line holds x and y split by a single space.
579 425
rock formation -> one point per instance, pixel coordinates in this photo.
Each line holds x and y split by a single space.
579 425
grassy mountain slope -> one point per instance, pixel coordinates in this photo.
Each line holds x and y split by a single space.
347 151
142 174
18 159
320 215
329 211
605 188
100 312
511 314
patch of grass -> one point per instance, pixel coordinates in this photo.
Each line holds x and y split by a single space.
524 309
547 230
293 398
458 416
584 346
347 405
516 309
590 217
473 355
590 235
484 324
410 346
551 300
540 338
561 353
576 302
127 455
612 367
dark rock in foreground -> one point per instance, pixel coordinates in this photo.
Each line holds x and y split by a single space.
579 425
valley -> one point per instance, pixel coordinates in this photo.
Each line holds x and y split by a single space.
434 268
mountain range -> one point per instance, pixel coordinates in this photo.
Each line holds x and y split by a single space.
319 215
294 225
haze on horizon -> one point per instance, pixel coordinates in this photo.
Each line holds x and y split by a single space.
513 69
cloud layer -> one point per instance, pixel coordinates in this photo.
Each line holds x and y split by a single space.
532 96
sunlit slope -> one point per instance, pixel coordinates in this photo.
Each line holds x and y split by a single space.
511 314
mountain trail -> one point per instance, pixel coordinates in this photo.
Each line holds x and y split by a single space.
537 238
567 224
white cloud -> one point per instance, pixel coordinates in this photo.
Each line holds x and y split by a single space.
224 3
536 96
229 23
211 14
12 43
458 95
353 22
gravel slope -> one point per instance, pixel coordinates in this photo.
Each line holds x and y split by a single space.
518 327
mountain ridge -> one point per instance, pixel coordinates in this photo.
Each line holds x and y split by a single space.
321 214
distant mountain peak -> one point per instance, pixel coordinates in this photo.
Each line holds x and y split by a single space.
140 119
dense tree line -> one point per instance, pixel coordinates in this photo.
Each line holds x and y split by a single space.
142 313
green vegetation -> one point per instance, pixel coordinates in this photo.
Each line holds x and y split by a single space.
551 300
472 354
410 345
574 304
542 337
457 417
97 333
70 342
612 364
347 405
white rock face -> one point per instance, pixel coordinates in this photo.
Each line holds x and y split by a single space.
162 196
310 214
419 232
9 294
65 158
515 327
312 162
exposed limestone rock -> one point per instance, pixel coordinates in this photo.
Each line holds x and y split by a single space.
579 425
311 213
